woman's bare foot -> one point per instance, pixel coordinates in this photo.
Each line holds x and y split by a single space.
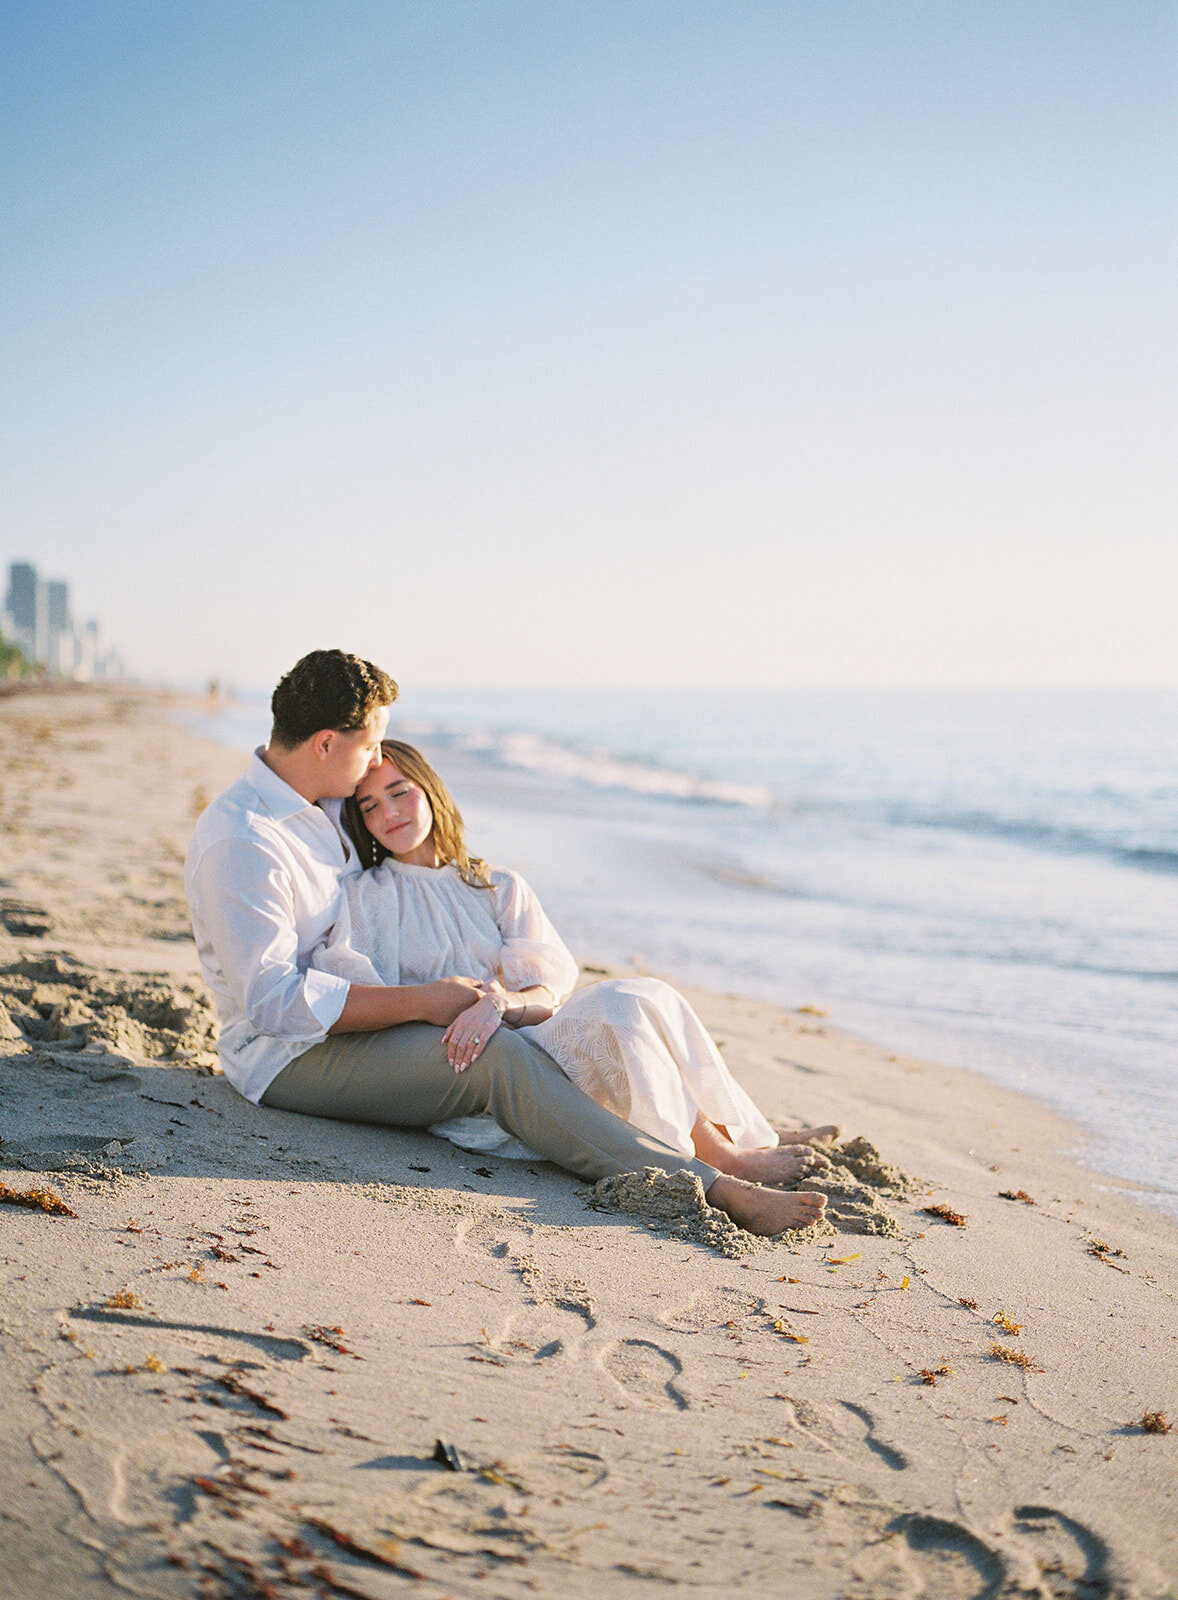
780 1164
769 1164
764 1211
826 1134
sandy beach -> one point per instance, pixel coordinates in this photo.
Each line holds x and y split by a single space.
254 1354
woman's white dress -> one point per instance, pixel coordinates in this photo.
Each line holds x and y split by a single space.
633 1044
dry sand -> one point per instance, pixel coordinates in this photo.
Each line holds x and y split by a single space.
227 1373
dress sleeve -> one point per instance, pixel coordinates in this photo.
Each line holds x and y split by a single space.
533 952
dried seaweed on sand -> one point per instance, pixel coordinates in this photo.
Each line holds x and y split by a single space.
36 1200
1013 1357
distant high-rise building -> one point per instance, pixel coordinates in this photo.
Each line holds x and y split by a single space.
57 596
60 650
37 618
88 651
26 610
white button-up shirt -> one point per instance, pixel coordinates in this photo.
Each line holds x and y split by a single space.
263 880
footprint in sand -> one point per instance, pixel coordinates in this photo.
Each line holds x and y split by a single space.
646 1372
888 1454
545 1289
948 1562
1073 1561
278 1348
1050 1556
531 1337
829 1428
733 1309
559 1313
567 1470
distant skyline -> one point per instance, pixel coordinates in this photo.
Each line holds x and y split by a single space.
36 616
604 343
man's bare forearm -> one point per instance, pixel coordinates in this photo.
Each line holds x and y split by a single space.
372 1006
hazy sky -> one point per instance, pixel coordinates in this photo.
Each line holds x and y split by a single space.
598 341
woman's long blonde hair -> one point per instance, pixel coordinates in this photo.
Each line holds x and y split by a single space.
448 833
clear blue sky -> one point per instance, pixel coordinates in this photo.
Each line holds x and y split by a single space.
578 342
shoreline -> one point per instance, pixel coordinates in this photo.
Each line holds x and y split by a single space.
242 1350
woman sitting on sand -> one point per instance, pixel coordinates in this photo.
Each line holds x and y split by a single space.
423 909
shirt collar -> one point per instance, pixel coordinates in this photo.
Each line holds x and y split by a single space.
281 800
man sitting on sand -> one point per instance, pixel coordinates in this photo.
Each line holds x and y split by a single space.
263 879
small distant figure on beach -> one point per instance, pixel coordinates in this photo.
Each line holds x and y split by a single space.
265 880
217 696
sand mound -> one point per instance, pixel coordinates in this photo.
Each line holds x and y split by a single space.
864 1162
56 1003
675 1203
852 1186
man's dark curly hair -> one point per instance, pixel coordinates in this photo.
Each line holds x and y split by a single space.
327 689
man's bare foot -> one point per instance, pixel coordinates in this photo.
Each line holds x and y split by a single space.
779 1164
826 1134
764 1211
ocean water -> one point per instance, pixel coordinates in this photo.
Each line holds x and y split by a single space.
988 879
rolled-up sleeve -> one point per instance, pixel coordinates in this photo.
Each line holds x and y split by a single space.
252 934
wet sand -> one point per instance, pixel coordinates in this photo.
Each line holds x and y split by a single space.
229 1371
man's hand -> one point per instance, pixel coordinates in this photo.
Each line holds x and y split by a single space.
448 998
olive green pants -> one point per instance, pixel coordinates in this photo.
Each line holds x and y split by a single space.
400 1076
